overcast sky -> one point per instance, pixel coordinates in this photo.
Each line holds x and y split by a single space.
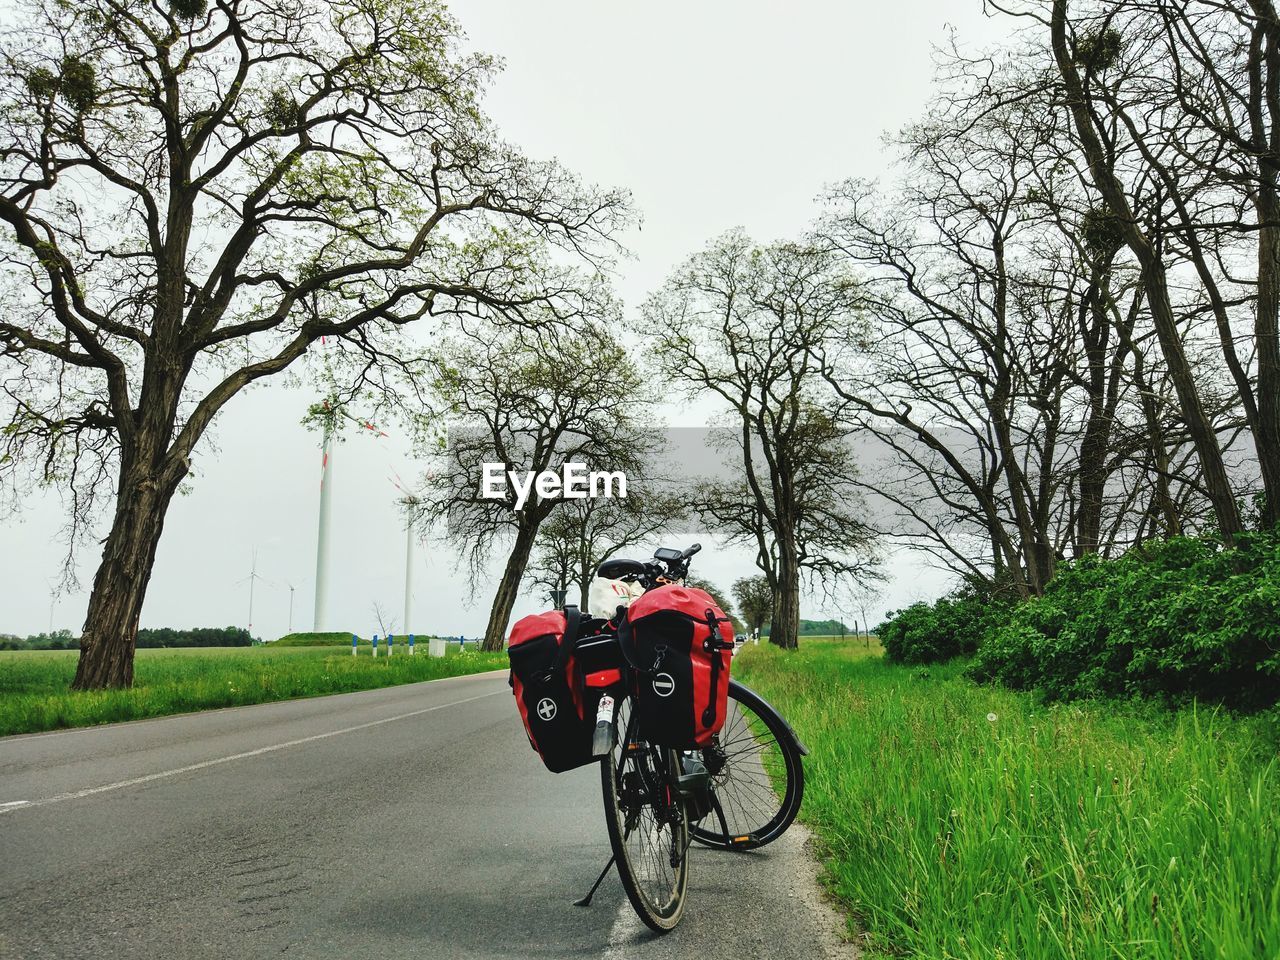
714 114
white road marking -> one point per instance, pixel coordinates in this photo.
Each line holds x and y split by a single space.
205 764
622 936
14 803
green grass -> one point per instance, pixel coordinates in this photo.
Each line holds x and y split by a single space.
960 821
34 694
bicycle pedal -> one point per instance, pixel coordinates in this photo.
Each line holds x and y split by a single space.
694 787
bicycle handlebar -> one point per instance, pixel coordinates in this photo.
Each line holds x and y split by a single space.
651 572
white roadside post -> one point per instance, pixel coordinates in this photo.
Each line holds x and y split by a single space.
390 640
411 644
435 647
355 640
375 646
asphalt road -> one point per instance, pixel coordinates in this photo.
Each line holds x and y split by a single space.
407 822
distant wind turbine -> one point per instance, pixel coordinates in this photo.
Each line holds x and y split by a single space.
292 587
329 417
409 501
253 578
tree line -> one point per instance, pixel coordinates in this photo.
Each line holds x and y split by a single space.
1072 292
148 637
1051 334
1054 335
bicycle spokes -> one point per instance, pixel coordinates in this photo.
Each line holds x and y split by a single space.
647 824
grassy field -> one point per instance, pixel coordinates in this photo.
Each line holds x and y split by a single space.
34 694
961 821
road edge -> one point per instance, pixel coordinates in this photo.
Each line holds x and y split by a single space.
116 724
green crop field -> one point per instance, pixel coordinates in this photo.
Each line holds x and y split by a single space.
34 692
961 821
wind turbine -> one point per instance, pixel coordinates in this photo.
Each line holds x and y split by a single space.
410 503
292 587
329 417
253 578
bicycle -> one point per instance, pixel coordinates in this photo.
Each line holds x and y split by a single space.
740 793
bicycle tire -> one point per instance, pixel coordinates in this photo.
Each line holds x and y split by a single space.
631 783
748 811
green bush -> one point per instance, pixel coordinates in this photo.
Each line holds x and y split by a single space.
1176 620
331 639
933 633
974 823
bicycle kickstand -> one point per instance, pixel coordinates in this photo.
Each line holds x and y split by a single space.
586 901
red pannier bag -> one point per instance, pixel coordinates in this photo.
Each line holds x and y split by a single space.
681 644
548 688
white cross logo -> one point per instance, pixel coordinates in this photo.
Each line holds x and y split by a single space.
546 708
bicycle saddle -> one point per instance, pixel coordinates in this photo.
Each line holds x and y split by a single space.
617 569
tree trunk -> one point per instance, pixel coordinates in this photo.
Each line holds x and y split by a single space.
586 574
509 586
1266 437
120 585
1097 430
784 629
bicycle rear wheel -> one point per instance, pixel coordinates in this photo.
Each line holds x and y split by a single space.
647 825
757 777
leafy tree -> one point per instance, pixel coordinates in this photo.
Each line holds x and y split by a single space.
755 600
822 628
718 596
193 194
57 640
198 637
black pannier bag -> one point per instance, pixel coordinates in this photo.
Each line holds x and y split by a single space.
547 683
681 644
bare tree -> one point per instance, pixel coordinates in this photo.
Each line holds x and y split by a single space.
583 534
194 194
747 325
1082 75
1011 383
530 401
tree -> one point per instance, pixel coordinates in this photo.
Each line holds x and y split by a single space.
1095 132
755 600
747 325
583 534
527 400
1017 389
718 596
195 194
